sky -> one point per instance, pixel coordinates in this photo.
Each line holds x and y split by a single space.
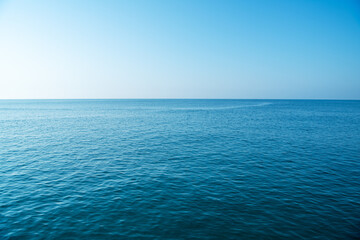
262 49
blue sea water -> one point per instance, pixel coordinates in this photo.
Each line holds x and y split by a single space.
179 169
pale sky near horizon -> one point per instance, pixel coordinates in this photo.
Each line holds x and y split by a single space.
263 49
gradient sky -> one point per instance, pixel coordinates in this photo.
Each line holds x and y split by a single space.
180 49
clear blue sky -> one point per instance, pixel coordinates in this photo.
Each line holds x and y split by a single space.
180 49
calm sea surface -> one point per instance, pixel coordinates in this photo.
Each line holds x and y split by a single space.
179 169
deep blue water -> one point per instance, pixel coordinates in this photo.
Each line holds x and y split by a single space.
179 169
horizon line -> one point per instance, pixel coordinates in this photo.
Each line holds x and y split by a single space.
300 99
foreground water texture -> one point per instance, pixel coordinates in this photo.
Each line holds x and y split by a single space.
179 169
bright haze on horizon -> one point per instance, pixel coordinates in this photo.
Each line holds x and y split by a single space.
180 49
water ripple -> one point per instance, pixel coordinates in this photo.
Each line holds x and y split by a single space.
178 169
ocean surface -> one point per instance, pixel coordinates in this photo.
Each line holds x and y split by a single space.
179 169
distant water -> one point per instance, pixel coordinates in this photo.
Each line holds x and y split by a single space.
179 169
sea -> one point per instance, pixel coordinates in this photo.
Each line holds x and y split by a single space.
179 169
